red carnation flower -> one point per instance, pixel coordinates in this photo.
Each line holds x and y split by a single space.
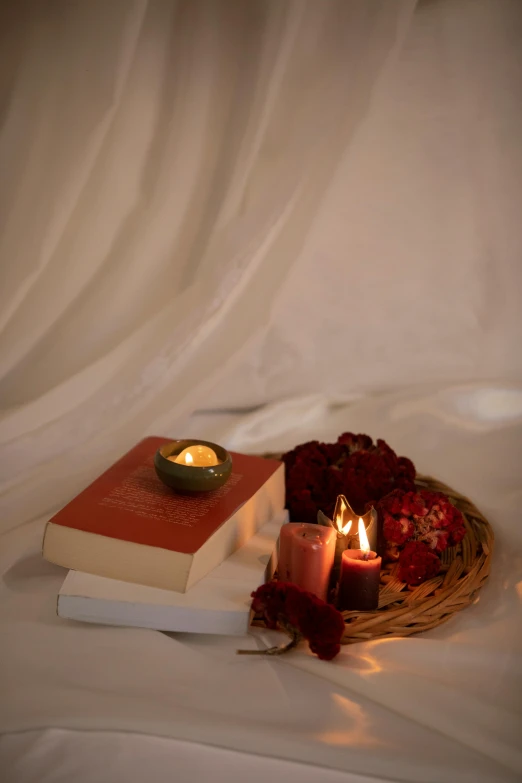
269 600
325 651
421 516
302 614
303 504
397 531
419 523
406 469
355 442
297 605
417 563
354 466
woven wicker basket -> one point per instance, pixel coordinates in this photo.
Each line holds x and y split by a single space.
405 610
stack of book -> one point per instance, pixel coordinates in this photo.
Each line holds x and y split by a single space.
142 555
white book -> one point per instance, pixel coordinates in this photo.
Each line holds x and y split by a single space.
218 604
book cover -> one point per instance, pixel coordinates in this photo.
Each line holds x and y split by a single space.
130 503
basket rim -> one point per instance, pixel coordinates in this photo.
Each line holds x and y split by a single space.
404 611
465 570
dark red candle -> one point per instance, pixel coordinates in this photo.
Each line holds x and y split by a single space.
360 577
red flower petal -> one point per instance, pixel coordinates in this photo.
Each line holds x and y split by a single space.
417 563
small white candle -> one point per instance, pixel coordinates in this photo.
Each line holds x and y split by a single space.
196 456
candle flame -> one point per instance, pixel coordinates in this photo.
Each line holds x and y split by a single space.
363 538
197 456
341 511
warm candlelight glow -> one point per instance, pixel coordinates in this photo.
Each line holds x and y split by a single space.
363 538
196 456
342 511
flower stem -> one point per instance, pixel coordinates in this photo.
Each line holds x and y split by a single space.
274 650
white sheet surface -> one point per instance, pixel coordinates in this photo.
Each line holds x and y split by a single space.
444 706
61 756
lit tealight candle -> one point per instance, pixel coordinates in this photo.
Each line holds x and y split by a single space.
196 457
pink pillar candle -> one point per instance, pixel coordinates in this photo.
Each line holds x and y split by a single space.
359 581
306 555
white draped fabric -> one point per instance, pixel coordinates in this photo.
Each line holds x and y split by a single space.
162 164
297 204
210 204
412 271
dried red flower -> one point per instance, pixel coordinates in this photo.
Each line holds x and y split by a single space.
427 519
301 614
421 516
417 563
353 466
270 601
398 531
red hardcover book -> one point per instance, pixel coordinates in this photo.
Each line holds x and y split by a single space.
127 525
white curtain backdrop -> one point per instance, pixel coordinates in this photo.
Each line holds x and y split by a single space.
412 271
217 204
209 204
162 162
